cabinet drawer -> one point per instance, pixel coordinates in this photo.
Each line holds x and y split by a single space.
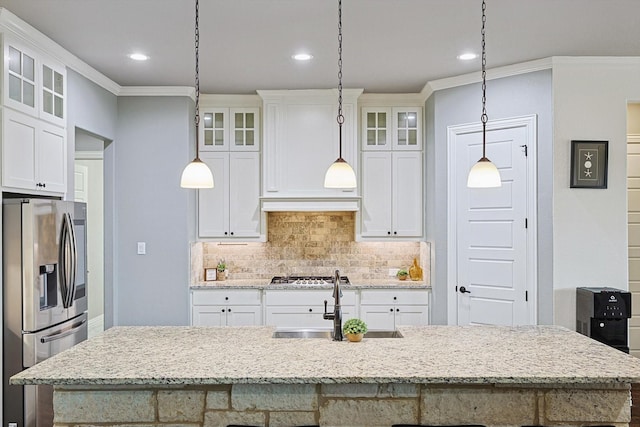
307 297
390 296
226 296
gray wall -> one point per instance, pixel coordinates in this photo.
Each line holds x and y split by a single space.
506 97
153 145
94 110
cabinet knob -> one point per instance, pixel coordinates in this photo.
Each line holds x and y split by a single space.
229 310
225 233
310 310
395 298
391 310
44 184
223 310
232 233
397 309
395 232
389 233
226 298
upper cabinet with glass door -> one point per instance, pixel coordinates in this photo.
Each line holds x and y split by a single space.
33 83
230 129
387 128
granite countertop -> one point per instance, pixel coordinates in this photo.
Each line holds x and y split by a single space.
427 354
265 284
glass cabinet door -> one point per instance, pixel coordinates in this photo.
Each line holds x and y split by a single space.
21 77
214 129
407 128
245 129
52 92
375 128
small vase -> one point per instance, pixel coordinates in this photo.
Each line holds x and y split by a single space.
403 277
220 275
354 337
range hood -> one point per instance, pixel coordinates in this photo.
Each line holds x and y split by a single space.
300 143
310 204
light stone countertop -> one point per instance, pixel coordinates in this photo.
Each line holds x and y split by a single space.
265 284
533 355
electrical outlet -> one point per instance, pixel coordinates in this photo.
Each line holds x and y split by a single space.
13 425
393 272
142 248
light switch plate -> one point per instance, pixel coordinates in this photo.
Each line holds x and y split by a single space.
142 248
393 272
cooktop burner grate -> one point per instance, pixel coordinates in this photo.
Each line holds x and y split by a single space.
307 280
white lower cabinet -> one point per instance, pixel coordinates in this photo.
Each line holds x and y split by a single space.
384 309
223 307
304 308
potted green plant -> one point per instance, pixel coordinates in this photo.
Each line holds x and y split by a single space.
402 274
222 267
354 329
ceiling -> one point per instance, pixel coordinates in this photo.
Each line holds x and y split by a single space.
389 45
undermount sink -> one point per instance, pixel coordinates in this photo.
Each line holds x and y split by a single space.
315 333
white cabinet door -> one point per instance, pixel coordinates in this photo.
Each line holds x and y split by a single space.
244 194
406 204
244 129
411 315
18 150
378 317
214 129
209 315
34 154
213 203
407 128
376 194
376 129
53 89
244 315
20 78
295 317
51 159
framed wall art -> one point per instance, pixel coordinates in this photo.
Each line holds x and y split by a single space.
589 164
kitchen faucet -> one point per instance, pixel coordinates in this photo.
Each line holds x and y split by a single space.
336 316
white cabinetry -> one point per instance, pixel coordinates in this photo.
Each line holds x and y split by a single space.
304 308
392 177
384 309
34 149
230 144
301 141
232 208
223 307
34 154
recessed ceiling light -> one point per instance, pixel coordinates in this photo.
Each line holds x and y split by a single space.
138 56
302 56
467 56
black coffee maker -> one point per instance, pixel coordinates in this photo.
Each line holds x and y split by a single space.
602 313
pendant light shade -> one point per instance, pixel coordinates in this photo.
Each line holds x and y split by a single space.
484 174
340 174
197 174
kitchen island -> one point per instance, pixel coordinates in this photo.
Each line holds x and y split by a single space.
438 375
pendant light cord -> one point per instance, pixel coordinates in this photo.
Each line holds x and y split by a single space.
484 118
197 81
340 117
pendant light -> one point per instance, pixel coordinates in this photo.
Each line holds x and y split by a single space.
340 174
484 174
197 174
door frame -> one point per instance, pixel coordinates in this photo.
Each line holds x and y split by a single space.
530 124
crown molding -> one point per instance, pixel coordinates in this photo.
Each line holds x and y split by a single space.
391 100
26 33
596 60
633 138
158 91
492 74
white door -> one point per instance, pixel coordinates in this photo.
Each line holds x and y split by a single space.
376 193
81 183
244 315
244 194
493 230
51 158
406 205
213 203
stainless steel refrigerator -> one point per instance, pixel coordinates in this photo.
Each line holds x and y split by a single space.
44 297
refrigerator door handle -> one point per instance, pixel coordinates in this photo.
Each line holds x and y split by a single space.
59 335
62 261
74 260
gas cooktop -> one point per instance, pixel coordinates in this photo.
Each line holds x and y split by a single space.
308 280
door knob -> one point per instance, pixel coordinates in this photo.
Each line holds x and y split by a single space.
464 290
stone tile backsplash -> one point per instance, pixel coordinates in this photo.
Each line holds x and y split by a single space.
314 243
